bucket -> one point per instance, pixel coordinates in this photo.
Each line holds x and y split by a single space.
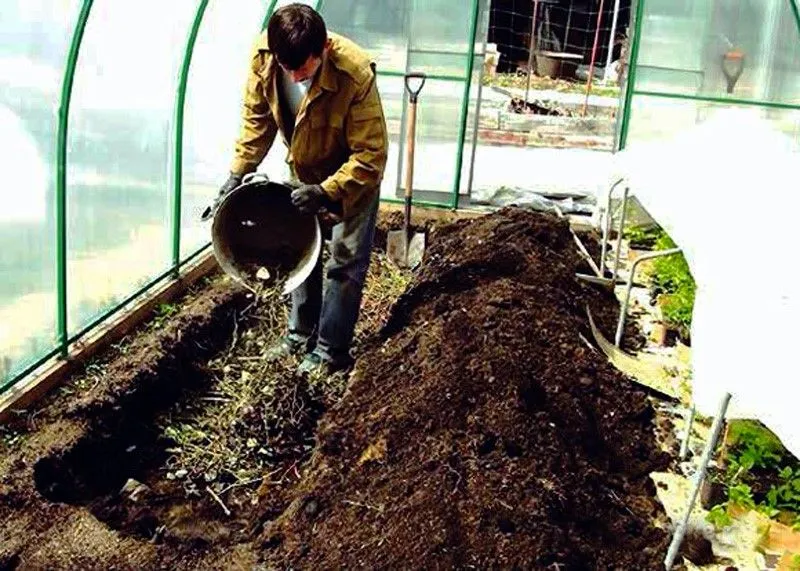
259 237
556 65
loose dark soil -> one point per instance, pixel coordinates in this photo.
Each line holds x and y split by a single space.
478 429
482 431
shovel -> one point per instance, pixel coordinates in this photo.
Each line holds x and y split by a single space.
404 247
732 68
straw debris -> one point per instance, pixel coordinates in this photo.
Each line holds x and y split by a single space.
253 426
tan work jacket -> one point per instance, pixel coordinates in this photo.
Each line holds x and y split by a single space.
339 139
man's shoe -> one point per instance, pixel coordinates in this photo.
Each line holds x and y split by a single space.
314 363
285 347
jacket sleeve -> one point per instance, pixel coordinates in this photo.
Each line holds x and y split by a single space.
367 139
258 129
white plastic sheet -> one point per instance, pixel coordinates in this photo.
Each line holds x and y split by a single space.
727 192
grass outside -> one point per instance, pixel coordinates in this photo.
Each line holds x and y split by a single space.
520 81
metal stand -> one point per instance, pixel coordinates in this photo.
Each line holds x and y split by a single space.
623 310
599 271
680 530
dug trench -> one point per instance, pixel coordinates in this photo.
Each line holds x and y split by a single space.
477 429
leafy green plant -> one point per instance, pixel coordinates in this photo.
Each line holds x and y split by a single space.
163 312
643 237
786 495
741 495
674 282
758 461
719 517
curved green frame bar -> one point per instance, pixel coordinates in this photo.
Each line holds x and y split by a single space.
180 106
462 128
61 173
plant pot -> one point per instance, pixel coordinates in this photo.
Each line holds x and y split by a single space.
557 64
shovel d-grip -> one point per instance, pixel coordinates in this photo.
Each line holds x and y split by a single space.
413 92
732 67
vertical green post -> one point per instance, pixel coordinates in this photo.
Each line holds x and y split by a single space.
180 104
796 12
462 132
61 175
633 63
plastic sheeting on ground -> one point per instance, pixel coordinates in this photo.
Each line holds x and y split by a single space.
727 192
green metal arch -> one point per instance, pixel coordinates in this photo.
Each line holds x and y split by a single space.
462 128
796 12
61 173
180 106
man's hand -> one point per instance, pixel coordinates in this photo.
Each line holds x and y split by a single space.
309 198
233 181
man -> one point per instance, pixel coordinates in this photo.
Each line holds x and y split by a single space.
319 91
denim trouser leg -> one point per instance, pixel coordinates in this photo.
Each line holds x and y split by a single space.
306 306
335 311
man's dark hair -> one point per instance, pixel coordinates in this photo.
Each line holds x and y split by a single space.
296 32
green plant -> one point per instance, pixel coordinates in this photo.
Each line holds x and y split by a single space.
760 475
741 495
163 312
672 279
794 564
786 495
719 517
643 237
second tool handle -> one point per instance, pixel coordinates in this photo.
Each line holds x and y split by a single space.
411 130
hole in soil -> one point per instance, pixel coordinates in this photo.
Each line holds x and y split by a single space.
99 466
9 562
513 450
124 442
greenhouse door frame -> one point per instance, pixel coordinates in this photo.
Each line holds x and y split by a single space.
629 92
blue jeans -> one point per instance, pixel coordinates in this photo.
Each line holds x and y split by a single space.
331 313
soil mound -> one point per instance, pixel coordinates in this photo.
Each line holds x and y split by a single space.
481 430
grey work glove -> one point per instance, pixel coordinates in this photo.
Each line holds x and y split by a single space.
233 181
309 198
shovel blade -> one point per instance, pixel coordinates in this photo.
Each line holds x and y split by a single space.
405 252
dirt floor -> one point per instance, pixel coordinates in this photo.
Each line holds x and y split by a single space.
477 430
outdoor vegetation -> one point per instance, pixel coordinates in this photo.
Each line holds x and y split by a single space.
671 282
519 80
758 474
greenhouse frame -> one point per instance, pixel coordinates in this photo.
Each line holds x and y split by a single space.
120 142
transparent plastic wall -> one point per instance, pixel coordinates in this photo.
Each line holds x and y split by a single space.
679 58
34 40
119 149
117 126
443 39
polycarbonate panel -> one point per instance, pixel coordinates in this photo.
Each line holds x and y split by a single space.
379 26
119 149
441 25
212 113
658 118
34 40
436 63
438 123
391 90
683 44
